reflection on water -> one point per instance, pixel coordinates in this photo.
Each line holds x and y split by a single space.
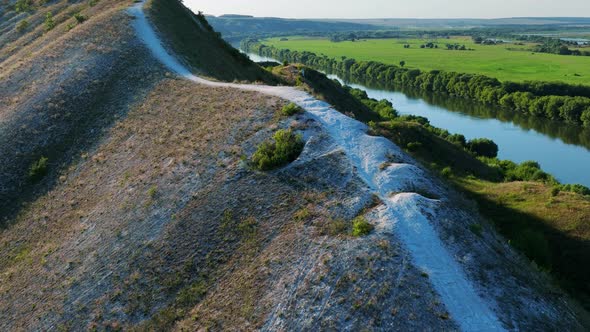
562 150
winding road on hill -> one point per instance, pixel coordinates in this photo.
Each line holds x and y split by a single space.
407 213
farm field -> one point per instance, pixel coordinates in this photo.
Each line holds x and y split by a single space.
507 62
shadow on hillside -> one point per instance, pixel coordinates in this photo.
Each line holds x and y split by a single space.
191 37
62 125
565 257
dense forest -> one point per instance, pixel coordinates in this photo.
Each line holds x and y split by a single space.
552 100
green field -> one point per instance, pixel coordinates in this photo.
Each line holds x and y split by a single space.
507 62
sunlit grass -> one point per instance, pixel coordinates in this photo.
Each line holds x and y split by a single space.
516 64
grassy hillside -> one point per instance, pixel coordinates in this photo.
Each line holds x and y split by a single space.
66 78
490 60
61 87
163 226
139 209
196 43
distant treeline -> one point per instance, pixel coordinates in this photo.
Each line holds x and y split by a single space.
553 100
560 47
480 36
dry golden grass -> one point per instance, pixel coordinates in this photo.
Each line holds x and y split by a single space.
179 132
42 60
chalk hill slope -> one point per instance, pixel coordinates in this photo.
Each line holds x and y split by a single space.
127 201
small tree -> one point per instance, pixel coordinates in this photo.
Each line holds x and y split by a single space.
402 63
483 147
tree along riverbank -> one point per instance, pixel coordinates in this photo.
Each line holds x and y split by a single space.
551 100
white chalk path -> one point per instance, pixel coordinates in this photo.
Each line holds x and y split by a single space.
367 153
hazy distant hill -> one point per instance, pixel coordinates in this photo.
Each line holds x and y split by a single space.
236 26
467 22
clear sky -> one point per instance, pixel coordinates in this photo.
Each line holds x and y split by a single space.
394 8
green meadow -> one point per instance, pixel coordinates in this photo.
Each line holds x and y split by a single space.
507 62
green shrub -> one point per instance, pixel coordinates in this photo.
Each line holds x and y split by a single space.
22 6
447 172
361 227
282 149
22 26
152 191
483 147
414 146
49 22
38 170
291 109
80 18
247 227
302 215
586 117
527 171
555 191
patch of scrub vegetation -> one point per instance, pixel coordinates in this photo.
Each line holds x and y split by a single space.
38 170
190 36
283 148
291 109
483 147
22 6
49 22
361 227
80 18
22 26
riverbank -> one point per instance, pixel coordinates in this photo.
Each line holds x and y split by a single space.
558 147
552 100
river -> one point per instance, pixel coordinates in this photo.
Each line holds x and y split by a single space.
562 150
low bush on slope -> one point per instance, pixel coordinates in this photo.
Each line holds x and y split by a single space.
291 109
282 149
